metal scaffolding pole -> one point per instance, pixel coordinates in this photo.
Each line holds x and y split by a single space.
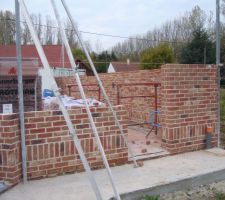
20 91
94 129
218 63
99 82
61 105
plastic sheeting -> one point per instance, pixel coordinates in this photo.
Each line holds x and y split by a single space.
51 103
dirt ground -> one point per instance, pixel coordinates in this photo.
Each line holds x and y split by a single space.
214 191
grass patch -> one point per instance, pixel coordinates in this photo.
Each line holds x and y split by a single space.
222 117
219 196
222 105
150 198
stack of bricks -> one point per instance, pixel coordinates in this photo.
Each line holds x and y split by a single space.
50 149
138 108
10 158
189 105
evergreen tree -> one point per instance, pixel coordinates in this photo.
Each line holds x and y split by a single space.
199 49
102 61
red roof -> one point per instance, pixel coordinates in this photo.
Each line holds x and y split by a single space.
8 66
53 53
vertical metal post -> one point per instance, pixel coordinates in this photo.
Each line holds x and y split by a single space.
99 82
94 129
205 55
156 109
35 92
20 91
218 63
61 105
63 60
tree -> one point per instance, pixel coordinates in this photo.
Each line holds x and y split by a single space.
7 27
70 34
102 62
113 56
37 20
26 36
223 33
153 58
49 32
79 54
223 7
175 32
199 49
222 50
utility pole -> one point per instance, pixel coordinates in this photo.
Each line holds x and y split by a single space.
20 91
205 55
218 63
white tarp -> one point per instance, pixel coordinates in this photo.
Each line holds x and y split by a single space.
51 103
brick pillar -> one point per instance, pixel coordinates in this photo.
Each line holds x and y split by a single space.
189 105
10 160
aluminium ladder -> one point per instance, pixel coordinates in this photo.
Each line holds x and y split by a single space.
77 77
64 111
82 44
61 105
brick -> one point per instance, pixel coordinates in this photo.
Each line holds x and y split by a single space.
62 164
54 139
44 124
30 125
81 116
45 167
7 123
57 150
82 126
37 130
40 141
36 119
56 112
144 151
52 118
44 135
53 129
96 115
59 123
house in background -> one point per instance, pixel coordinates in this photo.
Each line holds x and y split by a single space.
56 56
123 67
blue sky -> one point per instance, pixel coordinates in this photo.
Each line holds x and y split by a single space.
116 17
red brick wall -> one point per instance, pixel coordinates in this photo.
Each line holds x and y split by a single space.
138 108
10 162
189 104
50 150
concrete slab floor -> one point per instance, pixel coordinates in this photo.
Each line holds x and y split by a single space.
142 147
154 172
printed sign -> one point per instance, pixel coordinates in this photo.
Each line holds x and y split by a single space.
7 108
